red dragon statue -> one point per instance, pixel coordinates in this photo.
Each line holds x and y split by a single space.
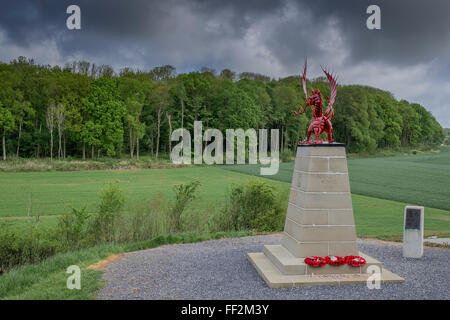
320 121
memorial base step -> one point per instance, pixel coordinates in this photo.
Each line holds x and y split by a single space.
276 279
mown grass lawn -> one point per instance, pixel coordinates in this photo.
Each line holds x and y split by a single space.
51 192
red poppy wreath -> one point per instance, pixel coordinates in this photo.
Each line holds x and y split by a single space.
355 261
315 261
335 260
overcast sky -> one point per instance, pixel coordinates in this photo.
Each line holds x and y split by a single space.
409 56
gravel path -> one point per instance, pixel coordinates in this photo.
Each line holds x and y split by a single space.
219 269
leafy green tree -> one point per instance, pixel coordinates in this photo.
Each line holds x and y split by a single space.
351 122
23 114
180 95
6 125
411 129
376 125
111 112
50 120
284 99
388 112
12 101
227 74
163 73
161 99
254 76
198 88
133 95
104 130
240 112
71 89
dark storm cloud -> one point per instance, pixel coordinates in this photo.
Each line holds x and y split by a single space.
412 31
408 56
110 24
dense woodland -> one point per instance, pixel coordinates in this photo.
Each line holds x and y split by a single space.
447 131
83 110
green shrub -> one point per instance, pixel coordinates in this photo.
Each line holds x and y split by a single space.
149 221
112 198
184 193
251 206
35 245
26 246
72 229
287 155
104 225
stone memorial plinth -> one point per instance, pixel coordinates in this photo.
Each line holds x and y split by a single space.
319 222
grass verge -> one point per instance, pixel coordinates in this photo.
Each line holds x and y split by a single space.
47 280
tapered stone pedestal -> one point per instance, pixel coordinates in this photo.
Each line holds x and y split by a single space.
319 222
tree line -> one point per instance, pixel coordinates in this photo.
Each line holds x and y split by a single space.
84 110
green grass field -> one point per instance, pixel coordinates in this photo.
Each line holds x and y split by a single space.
380 218
374 217
51 192
416 179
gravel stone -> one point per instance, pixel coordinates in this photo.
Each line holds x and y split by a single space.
219 269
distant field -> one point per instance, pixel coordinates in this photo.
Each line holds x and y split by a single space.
51 192
419 180
379 218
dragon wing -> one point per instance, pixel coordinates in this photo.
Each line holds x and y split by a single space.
333 87
304 78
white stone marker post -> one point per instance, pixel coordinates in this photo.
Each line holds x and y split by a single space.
413 232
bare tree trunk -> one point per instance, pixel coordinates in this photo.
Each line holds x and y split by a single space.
4 144
50 125
18 139
152 145
36 146
182 113
51 144
84 150
159 131
60 116
286 138
64 150
131 144
39 144
59 143
169 119
92 152
137 147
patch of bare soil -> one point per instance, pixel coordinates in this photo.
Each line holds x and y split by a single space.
103 263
